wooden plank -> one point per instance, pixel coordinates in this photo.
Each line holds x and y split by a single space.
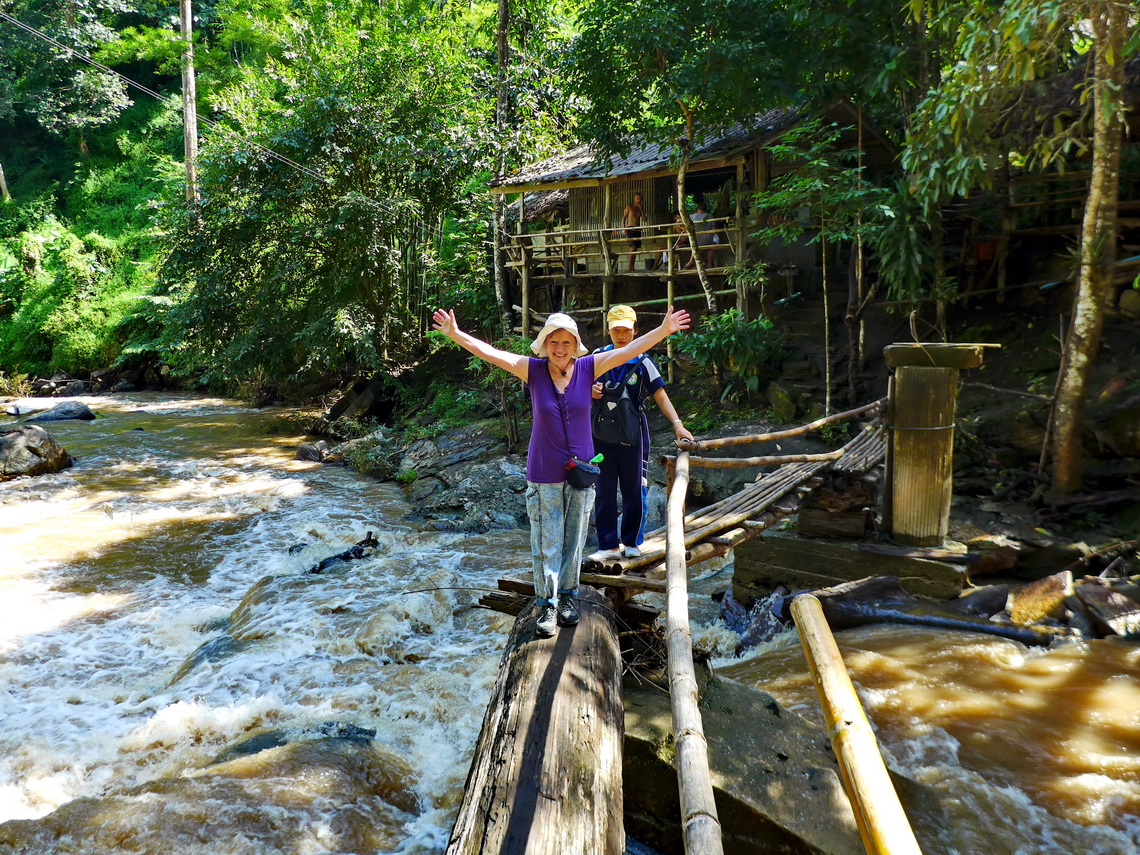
801 563
546 776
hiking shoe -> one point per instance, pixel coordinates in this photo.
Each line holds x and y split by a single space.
547 621
567 610
632 552
603 555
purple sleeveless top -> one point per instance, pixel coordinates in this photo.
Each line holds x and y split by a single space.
546 457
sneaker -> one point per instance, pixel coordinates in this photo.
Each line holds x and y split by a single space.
632 552
567 610
547 621
603 555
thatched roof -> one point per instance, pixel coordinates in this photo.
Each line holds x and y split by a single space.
581 167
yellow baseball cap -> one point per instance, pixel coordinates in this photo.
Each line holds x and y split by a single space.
621 316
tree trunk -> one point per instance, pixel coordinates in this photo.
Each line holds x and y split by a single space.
499 224
698 262
4 194
1098 245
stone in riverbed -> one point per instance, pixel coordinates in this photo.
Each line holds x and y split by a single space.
61 412
31 450
1041 599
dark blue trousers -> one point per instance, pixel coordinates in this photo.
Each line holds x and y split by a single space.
624 467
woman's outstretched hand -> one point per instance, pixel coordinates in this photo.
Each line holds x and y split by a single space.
444 321
675 321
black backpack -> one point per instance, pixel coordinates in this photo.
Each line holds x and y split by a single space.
615 417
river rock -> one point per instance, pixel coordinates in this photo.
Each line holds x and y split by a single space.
62 412
479 497
30 450
431 456
1039 599
1111 610
76 387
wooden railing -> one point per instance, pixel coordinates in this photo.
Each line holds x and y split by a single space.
700 825
563 253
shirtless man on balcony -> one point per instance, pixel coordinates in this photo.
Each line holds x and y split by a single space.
631 219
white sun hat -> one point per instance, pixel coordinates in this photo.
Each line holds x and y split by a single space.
557 321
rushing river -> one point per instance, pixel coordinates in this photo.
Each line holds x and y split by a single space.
157 616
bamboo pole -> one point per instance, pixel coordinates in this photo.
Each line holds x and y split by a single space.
723 442
883 824
700 826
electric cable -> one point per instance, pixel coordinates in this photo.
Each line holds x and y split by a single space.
433 231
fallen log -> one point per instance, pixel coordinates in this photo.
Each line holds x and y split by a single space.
547 771
882 599
353 553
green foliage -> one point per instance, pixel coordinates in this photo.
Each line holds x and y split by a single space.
407 477
671 71
826 179
740 353
966 126
293 267
49 84
15 385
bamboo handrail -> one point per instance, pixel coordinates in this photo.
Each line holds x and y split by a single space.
883 824
700 825
779 434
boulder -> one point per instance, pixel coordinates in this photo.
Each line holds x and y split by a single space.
477 497
30 450
1042 598
430 457
77 387
62 412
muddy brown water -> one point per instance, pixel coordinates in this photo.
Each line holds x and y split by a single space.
121 732
1031 750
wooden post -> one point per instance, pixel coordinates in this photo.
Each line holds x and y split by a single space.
883 824
670 288
700 825
924 393
522 213
547 771
524 286
738 249
607 206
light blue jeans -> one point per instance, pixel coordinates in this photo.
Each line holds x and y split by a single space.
558 515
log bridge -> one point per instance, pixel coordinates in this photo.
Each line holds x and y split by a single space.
547 772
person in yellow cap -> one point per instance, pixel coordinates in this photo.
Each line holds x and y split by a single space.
625 447
560 378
